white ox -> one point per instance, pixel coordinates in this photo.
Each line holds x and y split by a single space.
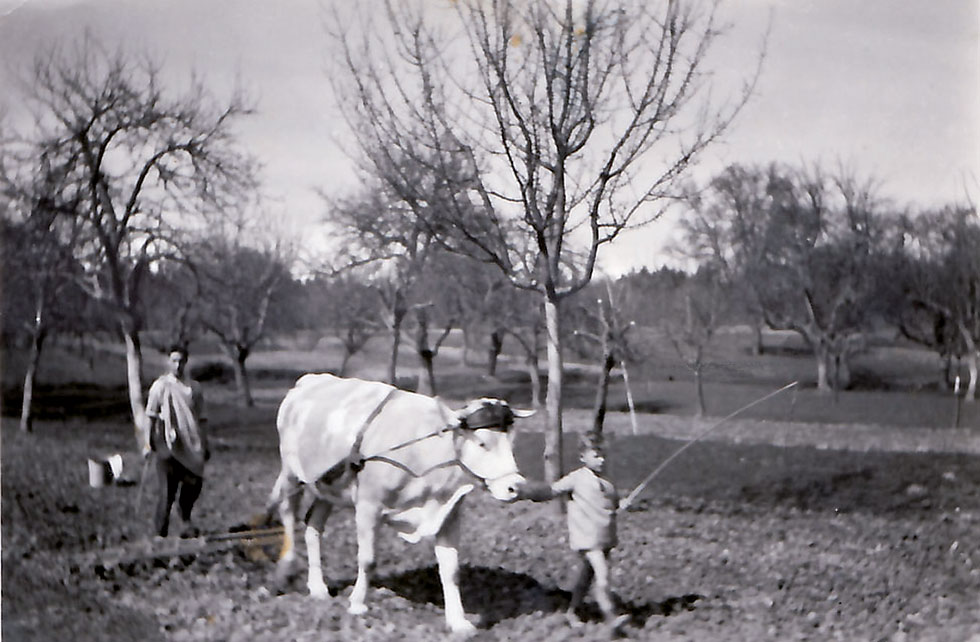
406 458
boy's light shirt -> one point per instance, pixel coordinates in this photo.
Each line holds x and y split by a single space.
591 509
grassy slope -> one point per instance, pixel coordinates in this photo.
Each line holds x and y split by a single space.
895 386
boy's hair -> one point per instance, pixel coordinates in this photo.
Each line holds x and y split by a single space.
592 441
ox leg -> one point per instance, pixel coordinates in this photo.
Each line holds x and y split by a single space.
366 519
315 520
447 557
289 493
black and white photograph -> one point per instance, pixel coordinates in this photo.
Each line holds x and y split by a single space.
489 320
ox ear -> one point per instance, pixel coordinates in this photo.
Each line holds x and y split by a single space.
523 414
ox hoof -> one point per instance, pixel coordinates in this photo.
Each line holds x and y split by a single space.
319 591
357 609
462 627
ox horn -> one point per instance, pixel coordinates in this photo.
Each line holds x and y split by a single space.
523 414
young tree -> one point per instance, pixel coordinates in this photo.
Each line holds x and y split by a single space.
147 160
573 123
611 335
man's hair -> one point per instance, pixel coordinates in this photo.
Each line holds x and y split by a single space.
177 347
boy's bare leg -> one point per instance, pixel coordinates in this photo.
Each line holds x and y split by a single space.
581 585
598 560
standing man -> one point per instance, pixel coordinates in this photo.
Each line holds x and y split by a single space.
177 441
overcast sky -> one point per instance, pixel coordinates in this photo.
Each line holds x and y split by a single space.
889 87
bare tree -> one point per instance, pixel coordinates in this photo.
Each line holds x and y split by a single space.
612 338
724 227
942 261
147 159
38 261
573 123
377 234
240 277
349 309
824 235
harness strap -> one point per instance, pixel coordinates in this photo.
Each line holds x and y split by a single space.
354 460
397 464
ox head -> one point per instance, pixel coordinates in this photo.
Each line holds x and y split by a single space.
486 447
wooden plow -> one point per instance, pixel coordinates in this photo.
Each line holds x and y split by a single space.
156 551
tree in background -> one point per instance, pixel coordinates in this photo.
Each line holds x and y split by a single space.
606 332
149 161
940 262
172 305
347 308
381 236
809 259
724 228
700 306
241 277
39 232
573 118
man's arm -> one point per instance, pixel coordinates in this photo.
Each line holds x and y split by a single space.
150 419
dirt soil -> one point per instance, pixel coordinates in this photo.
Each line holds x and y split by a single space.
733 542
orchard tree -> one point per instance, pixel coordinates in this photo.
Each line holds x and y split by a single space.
241 278
724 227
346 307
391 246
539 135
942 284
38 232
172 305
149 162
823 236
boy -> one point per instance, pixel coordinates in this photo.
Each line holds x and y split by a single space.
592 506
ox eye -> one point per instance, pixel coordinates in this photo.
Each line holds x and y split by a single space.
483 444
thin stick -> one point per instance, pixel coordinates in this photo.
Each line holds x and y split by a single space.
250 534
636 491
629 396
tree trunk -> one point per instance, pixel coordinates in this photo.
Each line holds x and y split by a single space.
946 372
26 414
699 388
757 346
427 382
396 339
972 366
134 378
602 394
553 402
822 354
534 373
467 340
493 352
344 362
242 382
842 371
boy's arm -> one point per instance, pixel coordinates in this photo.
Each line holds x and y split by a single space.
536 491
